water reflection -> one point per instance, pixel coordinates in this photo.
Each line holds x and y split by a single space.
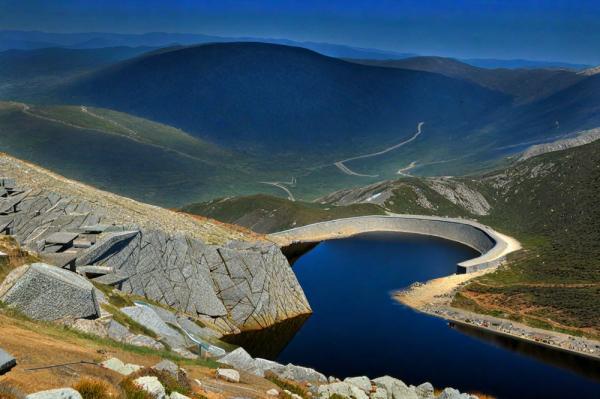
590 368
269 342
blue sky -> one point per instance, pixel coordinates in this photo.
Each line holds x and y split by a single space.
544 30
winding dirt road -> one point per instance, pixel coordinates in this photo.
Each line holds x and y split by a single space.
341 164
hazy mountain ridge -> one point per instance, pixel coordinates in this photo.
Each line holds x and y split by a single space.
524 84
282 96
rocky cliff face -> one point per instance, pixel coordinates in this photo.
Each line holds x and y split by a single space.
227 277
418 196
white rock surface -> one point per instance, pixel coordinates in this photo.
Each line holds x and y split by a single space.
230 375
151 385
395 388
425 391
118 366
61 393
343 389
380 393
177 395
360 382
302 374
241 360
167 366
273 392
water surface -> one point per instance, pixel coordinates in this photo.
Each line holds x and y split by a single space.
357 329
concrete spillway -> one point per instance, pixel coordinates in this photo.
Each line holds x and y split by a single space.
492 245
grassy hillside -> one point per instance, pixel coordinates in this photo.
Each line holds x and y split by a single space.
123 154
267 214
550 203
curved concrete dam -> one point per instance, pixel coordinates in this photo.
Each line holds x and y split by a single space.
492 245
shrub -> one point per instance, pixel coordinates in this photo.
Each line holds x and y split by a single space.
285 385
132 391
9 391
93 388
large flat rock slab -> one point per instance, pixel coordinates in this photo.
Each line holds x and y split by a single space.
45 292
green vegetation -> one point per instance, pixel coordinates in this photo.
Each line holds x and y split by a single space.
169 171
286 385
265 214
551 205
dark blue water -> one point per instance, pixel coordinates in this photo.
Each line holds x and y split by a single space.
357 329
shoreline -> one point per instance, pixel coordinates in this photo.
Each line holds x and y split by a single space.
433 298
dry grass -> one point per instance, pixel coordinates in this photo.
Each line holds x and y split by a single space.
95 388
10 391
16 256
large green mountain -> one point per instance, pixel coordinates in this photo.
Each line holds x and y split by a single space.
264 98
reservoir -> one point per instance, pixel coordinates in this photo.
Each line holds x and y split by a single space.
358 329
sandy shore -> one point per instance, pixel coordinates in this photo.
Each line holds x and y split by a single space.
435 296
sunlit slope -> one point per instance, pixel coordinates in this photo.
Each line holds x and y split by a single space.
120 153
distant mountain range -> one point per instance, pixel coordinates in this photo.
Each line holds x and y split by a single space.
287 116
262 97
524 84
27 40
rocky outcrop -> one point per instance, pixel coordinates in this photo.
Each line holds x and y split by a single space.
385 387
460 194
240 359
376 193
45 292
582 138
240 284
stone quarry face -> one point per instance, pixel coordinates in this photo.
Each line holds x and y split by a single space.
236 286
45 292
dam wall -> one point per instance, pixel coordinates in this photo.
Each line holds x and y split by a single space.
482 238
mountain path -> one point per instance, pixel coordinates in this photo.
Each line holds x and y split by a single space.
26 109
341 164
281 186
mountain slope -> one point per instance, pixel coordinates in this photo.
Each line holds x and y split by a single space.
28 72
524 84
129 155
270 97
266 214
